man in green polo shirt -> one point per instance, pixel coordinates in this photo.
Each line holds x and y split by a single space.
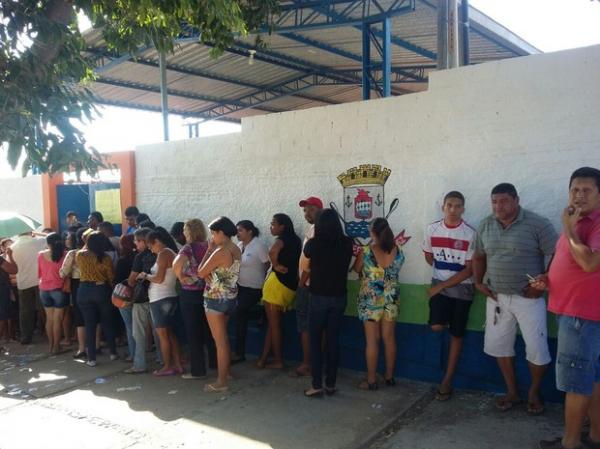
512 244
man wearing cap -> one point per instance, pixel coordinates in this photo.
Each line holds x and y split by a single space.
311 205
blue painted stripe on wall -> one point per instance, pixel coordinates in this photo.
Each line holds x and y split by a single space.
422 355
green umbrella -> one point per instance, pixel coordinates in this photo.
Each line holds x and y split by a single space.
13 223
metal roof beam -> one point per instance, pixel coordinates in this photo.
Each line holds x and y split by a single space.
297 64
150 108
175 93
281 90
301 15
347 54
193 72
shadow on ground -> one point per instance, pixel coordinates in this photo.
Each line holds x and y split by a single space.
74 406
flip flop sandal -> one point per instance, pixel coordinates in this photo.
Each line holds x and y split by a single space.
504 404
313 393
390 382
210 388
365 385
534 409
169 372
443 397
588 443
330 391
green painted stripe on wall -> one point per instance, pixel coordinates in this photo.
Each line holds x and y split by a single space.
414 307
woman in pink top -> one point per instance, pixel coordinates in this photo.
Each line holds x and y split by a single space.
51 288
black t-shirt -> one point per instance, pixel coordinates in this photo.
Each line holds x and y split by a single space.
329 263
289 257
143 262
123 268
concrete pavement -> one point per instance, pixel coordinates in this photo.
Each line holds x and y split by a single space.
55 402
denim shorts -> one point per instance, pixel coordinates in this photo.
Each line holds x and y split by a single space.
578 355
163 312
54 298
224 306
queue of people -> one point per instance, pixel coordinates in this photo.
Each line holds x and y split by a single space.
185 286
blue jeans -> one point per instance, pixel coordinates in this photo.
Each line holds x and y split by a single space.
578 355
127 315
325 314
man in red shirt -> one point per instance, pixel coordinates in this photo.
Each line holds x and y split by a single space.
574 282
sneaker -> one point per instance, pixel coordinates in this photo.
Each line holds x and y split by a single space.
114 357
91 363
191 376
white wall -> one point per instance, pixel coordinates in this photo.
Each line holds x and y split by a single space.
23 195
530 121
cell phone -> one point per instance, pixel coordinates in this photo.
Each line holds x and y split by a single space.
530 277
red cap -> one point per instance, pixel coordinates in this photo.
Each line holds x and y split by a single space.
312 201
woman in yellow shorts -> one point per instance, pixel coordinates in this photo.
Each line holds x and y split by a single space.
280 287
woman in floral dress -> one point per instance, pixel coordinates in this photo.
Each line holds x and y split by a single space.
378 265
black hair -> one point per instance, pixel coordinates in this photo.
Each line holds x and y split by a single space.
329 231
56 245
505 187
70 214
381 228
162 236
142 233
287 223
586 172
106 225
177 229
223 224
455 194
132 211
79 237
108 246
141 217
95 244
147 224
249 226
97 215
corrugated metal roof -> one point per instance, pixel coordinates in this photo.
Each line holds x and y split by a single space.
298 69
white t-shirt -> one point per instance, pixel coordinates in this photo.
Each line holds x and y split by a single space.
452 248
253 269
25 252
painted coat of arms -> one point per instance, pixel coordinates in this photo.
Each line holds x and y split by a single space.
364 199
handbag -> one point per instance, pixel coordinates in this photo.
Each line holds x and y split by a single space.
140 291
122 296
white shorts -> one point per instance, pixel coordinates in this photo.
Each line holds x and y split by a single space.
501 319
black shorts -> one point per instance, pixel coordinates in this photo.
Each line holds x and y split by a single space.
450 311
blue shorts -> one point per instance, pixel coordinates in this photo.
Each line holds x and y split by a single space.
224 306
163 312
54 298
578 355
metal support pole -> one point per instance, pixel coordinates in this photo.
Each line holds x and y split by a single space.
164 102
464 18
366 61
442 35
453 60
386 63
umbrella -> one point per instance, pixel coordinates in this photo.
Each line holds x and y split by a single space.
13 223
